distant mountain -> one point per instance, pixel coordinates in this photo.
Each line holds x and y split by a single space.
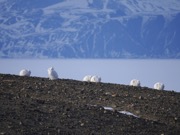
89 29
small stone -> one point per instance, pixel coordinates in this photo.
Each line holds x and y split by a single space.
82 92
114 95
126 95
140 97
114 106
101 108
82 124
29 87
22 89
175 118
108 93
9 126
101 90
137 112
10 84
40 83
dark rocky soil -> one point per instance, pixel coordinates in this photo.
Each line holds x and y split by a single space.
32 105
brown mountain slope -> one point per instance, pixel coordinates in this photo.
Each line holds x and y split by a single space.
32 105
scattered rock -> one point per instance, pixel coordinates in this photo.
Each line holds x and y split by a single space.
32 105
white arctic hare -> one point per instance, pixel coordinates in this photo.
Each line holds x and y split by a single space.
25 72
135 82
87 78
159 86
52 74
95 79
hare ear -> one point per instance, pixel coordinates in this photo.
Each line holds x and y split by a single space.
50 68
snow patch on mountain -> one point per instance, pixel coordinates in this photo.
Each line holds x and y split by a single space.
89 28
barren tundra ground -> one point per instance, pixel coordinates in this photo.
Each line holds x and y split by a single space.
32 105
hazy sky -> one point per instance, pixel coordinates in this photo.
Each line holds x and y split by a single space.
113 71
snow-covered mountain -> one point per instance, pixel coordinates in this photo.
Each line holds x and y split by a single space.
89 28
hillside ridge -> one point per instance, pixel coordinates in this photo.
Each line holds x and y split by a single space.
34 105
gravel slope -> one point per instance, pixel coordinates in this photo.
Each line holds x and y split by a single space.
32 105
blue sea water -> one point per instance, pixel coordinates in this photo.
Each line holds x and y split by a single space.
119 71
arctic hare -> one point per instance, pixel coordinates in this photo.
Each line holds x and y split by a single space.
95 79
159 86
25 72
135 82
52 74
87 78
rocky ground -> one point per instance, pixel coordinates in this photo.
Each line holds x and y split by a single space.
32 105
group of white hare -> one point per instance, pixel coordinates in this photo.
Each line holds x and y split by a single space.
52 74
